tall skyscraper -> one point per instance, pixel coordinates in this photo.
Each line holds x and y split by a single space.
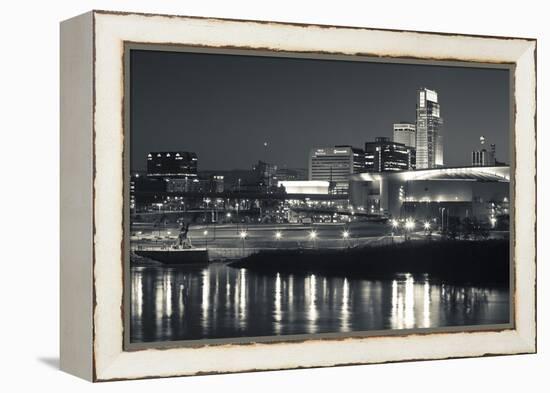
429 136
405 133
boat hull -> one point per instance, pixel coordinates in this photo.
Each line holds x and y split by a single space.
176 257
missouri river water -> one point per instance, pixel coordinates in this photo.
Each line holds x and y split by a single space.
217 301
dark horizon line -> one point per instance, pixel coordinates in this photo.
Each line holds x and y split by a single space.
226 170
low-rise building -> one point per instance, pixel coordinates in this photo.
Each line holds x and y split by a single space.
475 192
320 187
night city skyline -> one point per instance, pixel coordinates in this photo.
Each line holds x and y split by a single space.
294 196
225 107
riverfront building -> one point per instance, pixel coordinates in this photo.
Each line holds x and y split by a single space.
405 133
314 187
429 137
383 155
335 165
475 192
145 190
173 164
291 174
212 184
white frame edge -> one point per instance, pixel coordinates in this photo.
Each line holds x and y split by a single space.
76 193
111 30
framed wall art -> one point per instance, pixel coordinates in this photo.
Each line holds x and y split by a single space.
244 195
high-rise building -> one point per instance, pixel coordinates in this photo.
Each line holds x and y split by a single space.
335 164
358 158
405 133
173 164
482 157
429 136
383 155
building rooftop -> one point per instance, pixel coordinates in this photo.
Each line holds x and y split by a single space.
484 173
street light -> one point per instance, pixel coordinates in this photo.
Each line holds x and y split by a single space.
409 226
428 230
242 235
313 236
345 237
395 227
206 238
278 236
443 219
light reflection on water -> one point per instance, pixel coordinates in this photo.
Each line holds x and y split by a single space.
192 302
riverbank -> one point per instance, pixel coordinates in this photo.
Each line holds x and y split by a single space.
475 262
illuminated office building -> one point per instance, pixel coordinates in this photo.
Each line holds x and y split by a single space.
383 155
335 165
429 137
173 164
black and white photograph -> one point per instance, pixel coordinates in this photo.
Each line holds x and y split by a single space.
246 196
279 197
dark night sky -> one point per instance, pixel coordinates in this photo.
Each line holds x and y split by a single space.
224 107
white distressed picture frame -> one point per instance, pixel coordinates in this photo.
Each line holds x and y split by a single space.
92 151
